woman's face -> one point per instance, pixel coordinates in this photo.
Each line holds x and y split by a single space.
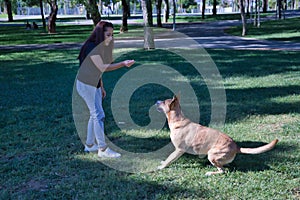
108 35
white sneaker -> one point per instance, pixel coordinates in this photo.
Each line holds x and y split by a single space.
91 149
108 153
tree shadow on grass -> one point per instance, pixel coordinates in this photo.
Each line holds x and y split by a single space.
250 162
246 162
260 101
259 162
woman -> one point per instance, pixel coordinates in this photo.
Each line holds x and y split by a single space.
96 58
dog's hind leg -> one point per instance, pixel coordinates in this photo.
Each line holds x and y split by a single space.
220 171
216 164
172 157
219 160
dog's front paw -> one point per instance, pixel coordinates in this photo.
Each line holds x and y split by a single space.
209 173
161 166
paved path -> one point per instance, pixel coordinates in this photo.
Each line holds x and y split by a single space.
212 35
209 35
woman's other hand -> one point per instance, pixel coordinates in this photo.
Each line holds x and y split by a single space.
103 92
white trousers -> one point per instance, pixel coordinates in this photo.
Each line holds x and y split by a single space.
93 99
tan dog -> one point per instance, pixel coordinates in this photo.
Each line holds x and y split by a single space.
189 137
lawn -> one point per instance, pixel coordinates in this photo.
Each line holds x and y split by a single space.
42 156
16 34
278 30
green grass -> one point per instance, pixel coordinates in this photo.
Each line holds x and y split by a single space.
279 30
13 35
3 15
17 34
23 36
42 157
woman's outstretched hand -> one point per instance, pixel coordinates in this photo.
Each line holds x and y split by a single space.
128 63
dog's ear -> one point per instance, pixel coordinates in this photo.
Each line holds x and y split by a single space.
174 100
178 95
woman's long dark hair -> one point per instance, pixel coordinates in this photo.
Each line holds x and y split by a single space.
97 37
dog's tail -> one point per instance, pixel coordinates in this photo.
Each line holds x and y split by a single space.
258 150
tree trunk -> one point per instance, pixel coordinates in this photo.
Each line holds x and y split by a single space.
125 8
248 8
258 14
242 8
92 9
255 14
42 14
278 10
265 6
203 9
214 10
148 32
149 12
285 5
166 11
158 9
174 15
9 10
52 16
294 4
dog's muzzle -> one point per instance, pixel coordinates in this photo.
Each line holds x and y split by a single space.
158 108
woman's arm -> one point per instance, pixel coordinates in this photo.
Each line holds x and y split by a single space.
114 66
97 60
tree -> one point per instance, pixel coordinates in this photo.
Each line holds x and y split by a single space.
214 10
125 8
147 7
167 11
186 4
248 7
92 9
256 21
242 9
9 10
174 14
52 16
148 23
203 9
42 14
278 9
265 6
158 10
